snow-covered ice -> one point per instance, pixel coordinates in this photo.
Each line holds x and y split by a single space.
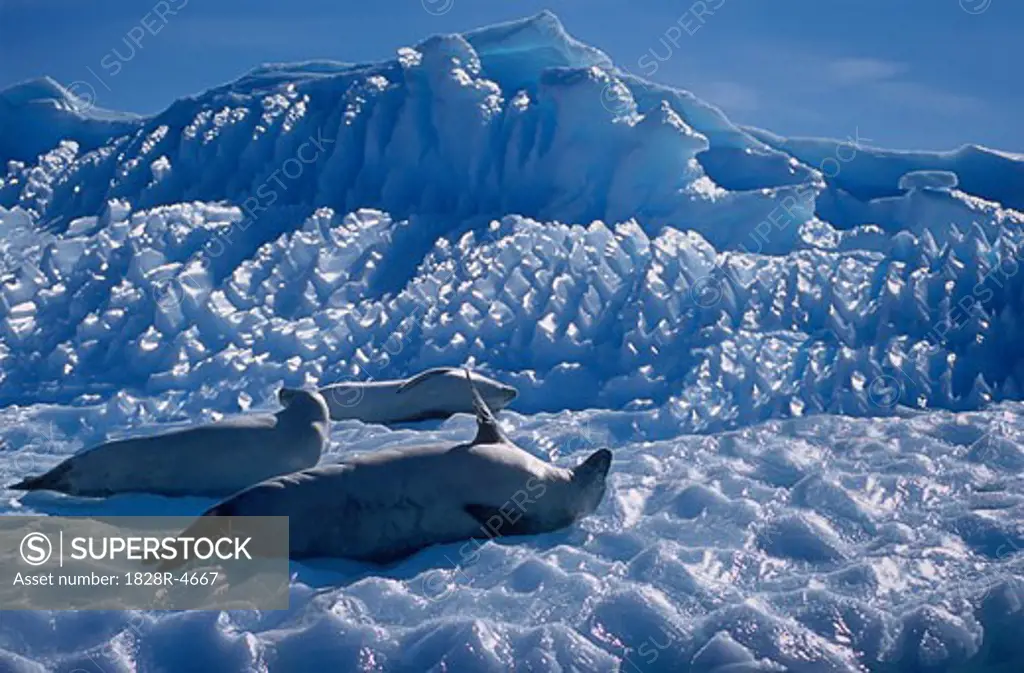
803 354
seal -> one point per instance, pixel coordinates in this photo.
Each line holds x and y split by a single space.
215 460
432 394
385 505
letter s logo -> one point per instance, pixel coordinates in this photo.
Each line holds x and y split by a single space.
36 549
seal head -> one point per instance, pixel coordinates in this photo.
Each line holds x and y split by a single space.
303 406
563 501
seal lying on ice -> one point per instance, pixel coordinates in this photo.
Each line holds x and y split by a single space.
385 505
208 460
434 393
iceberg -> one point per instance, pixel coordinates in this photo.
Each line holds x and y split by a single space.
802 352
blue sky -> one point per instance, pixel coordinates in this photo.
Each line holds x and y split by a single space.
930 74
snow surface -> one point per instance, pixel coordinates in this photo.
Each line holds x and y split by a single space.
803 354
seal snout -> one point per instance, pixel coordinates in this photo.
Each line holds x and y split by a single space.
287 395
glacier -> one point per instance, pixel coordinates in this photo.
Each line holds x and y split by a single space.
803 354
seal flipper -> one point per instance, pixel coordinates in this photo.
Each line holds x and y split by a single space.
487 430
495 523
209 524
423 376
594 468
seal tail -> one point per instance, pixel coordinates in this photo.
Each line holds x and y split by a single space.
54 480
28 484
